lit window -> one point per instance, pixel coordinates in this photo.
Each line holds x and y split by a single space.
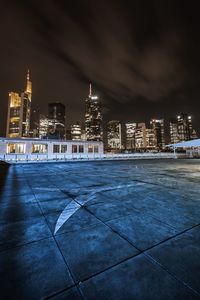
39 148
17 148
56 148
90 149
15 100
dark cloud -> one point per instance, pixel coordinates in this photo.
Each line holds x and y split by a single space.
141 56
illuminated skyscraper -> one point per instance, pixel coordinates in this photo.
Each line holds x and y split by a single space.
184 127
43 126
158 127
130 135
140 136
145 138
151 141
93 118
181 129
19 110
114 135
76 131
174 138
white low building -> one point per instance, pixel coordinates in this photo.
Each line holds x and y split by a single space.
16 150
25 149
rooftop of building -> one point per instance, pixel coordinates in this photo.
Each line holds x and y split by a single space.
101 230
45 140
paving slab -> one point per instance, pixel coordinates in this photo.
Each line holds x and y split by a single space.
23 232
44 194
7 201
54 205
93 249
124 230
137 278
69 294
15 190
33 271
79 220
109 210
142 230
181 256
18 211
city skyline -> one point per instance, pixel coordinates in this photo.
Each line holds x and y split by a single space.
122 118
53 124
143 60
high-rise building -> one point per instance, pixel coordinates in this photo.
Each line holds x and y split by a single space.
56 118
184 127
173 125
76 131
43 126
56 111
93 118
158 127
130 135
145 138
19 110
83 135
151 141
181 129
140 136
14 123
114 135
194 135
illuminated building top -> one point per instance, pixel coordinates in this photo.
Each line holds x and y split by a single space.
93 117
28 85
19 109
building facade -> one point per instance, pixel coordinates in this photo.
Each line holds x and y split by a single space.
158 127
93 118
114 135
56 118
145 138
27 149
185 128
48 128
43 126
130 129
181 129
151 141
56 111
140 136
173 125
76 132
19 112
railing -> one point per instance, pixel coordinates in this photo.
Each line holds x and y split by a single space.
17 158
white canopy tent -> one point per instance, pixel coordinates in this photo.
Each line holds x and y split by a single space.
192 148
186 144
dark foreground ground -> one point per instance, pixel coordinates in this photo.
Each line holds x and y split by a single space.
100 230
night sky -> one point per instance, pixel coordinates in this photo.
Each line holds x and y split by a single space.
142 57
